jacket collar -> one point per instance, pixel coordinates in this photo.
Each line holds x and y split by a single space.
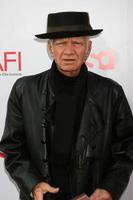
92 122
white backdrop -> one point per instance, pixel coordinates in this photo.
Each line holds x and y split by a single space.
21 54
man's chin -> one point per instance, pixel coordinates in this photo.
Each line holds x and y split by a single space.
69 65
69 68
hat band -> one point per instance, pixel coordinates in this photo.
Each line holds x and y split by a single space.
69 28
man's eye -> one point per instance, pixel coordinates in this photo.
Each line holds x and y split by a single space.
60 43
78 43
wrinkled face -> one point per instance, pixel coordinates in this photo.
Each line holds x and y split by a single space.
70 53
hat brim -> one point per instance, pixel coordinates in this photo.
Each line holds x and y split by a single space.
63 34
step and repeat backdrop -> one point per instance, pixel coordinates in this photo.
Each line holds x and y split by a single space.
21 54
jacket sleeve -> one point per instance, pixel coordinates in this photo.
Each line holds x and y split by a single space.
117 176
13 144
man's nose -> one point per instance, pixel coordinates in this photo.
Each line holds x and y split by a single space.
69 48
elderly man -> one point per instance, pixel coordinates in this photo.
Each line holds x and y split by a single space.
68 131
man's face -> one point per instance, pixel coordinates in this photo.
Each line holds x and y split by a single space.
70 53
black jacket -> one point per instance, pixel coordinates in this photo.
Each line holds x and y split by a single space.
105 137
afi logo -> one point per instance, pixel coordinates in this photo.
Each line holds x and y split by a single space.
105 60
11 57
2 155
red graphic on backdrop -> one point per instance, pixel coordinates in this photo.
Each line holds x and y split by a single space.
109 56
2 155
11 57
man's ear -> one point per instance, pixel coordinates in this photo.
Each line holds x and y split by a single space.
50 48
89 47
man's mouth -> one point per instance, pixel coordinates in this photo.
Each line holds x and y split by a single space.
69 60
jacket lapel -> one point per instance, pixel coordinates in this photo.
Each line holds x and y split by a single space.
91 126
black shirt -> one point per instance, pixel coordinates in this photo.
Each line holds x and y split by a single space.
69 95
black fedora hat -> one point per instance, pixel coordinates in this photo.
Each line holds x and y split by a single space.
68 24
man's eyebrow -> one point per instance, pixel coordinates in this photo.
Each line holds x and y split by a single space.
58 40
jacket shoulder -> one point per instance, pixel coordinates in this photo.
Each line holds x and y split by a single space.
101 82
30 83
32 79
